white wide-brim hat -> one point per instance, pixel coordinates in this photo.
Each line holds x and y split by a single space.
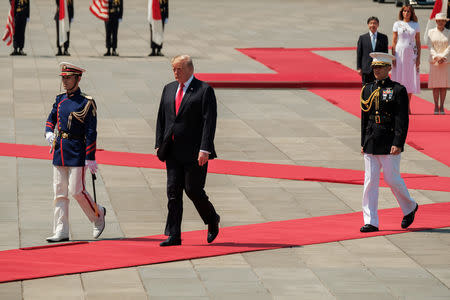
441 16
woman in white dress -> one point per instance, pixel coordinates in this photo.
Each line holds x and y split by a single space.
439 79
406 49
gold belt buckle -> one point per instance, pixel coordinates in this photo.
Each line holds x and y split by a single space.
377 119
65 135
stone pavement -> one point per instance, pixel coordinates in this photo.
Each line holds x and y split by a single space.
276 126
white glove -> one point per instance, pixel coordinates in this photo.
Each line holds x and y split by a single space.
92 165
50 137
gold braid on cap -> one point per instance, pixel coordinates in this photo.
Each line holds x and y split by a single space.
81 115
367 104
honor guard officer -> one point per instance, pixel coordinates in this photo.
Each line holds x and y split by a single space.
66 43
71 132
115 13
21 16
384 126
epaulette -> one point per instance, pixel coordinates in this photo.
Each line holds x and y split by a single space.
87 96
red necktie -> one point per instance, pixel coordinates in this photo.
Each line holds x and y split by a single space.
179 98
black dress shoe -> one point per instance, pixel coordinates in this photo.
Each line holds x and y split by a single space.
368 228
409 218
153 53
114 53
171 241
15 52
59 52
213 230
22 53
66 52
108 53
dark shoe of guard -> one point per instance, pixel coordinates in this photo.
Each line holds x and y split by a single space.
213 230
114 53
153 53
59 52
171 241
108 53
22 53
15 52
368 228
409 218
159 53
66 52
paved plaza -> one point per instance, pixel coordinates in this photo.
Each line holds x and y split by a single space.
284 126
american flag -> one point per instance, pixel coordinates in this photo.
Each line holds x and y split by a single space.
100 9
63 22
9 32
154 17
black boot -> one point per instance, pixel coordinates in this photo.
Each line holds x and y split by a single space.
66 52
15 52
21 52
153 52
108 53
114 53
59 52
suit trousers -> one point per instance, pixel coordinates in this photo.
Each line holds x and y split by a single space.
191 178
111 28
66 43
71 180
391 173
20 23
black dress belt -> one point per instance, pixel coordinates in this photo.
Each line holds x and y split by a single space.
70 136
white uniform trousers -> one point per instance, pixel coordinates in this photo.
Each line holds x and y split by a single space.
391 171
71 180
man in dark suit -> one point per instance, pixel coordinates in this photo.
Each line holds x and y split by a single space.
115 13
66 43
187 119
21 16
372 41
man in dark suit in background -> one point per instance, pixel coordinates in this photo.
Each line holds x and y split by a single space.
373 41
66 43
115 13
187 119
21 16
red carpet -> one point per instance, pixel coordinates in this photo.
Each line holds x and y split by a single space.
46 261
294 68
242 168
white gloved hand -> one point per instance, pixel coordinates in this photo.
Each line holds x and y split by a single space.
50 137
92 165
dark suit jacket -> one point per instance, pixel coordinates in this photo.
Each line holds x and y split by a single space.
195 124
363 59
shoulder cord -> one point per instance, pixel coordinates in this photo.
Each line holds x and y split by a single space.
367 104
81 115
